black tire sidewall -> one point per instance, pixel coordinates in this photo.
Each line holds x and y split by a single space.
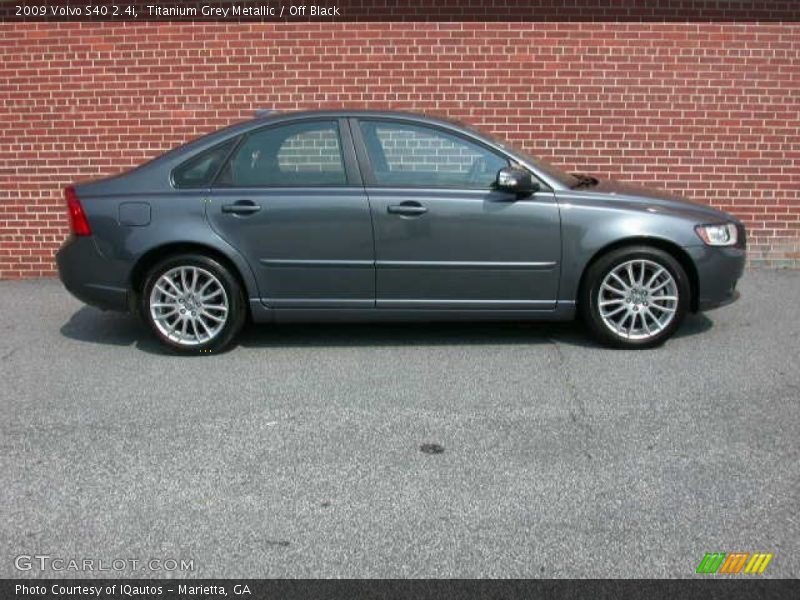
597 272
237 308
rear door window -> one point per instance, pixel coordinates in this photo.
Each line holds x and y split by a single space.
295 155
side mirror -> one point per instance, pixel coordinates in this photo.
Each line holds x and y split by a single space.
516 181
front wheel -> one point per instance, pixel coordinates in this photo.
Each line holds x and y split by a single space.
193 304
635 297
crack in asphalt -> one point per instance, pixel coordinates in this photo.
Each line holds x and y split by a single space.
577 412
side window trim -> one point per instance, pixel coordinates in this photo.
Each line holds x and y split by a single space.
228 156
349 162
354 176
367 172
364 163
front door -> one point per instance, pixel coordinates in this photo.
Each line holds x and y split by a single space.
290 200
443 237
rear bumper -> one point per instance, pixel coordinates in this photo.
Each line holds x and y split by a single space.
89 276
718 272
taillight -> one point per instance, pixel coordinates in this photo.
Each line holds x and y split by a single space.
77 218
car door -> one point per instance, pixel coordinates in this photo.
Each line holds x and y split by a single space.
290 200
444 238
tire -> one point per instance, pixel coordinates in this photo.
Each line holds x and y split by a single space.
652 308
182 319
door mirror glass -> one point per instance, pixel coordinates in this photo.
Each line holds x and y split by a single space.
516 181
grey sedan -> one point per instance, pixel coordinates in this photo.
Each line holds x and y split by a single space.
359 215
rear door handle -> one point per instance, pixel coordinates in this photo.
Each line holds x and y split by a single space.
407 208
241 207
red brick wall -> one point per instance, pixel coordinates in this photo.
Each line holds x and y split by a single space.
710 110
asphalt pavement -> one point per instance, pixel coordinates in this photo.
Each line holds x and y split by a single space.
298 453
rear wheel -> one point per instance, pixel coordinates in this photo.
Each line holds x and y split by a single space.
193 304
635 297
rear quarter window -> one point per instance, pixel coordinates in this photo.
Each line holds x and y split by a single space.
199 171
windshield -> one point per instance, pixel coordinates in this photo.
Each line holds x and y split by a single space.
545 167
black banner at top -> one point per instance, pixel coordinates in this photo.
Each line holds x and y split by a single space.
402 10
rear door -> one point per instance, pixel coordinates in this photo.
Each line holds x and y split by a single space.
444 238
290 200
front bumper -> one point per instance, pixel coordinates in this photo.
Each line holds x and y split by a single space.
718 271
89 276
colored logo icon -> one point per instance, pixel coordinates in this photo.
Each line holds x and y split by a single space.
734 562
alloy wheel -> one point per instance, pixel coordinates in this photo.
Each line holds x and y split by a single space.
638 299
189 305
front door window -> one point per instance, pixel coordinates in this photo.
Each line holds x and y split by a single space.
405 155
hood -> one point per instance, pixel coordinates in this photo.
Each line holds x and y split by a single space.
650 198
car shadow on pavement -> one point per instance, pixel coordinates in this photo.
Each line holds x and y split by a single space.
117 329
89 324
571 333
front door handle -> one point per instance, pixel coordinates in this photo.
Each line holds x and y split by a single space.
241 207
407 208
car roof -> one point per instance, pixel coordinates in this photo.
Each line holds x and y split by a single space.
269 113
264 115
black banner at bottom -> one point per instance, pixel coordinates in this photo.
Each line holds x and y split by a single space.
396 589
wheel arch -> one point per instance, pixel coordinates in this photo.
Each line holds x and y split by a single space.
670 248
159 253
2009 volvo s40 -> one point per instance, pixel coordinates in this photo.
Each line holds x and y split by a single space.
347 215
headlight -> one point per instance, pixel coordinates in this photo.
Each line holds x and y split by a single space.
718 235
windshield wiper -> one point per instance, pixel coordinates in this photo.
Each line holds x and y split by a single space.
584 180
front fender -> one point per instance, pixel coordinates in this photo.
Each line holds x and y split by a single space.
589 228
